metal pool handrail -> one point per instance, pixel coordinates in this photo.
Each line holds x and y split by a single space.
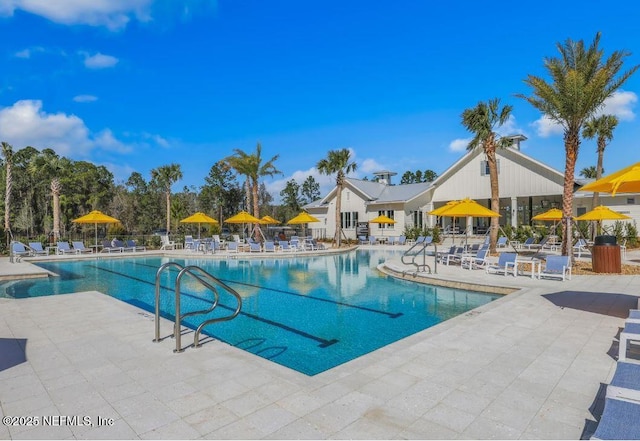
423 252
200 275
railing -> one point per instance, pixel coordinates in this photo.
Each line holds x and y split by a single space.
208 281
420 249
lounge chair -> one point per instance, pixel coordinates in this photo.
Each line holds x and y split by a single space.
80 248
580 247
454 255
631 332
506 263
625 383
120 244
284 246
477 261
556 267
294 243
216 238
236 239
363 240
254 247
64 248
619 420
392 240
402 240
269 246
132 244
372 240
189 244
529 241
37 250
232 247
166 243
502 242
19 249
108 247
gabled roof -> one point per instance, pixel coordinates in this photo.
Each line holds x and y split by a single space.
377 193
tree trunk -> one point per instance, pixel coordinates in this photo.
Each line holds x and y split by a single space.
495 198
256 207
7 200
168 194
596 195
55 193
339 210
572 143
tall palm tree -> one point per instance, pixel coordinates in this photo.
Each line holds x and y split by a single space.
588 172
49 164
7 153
337 161
581 81
601 127
251 165
481 121
164 177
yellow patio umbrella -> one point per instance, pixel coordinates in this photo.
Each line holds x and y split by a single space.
438 211
303 218
96 217
382 219
601 213
468 208
266 220
626 180
199 218
243 218
554 214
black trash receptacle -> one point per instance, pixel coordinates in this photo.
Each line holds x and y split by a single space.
605 256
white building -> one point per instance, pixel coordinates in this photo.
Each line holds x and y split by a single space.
527 187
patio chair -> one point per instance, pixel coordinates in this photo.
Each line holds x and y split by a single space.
625 383
132 244
402 240
284 246
529 241
294 243
166 243
108 247
477 261
631 332
254 247
392 240
232 247
37 250
79 247
454 255
216 238
362 240
580 247
556 267
64 248
189 244
619 420
506 263
269 246
236 239
502 242
372 240
19 249
120 244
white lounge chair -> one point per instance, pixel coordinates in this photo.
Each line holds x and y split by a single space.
580 247
189 243
166 243
284 246
254 247
232 247
37 250
79 247
269 246
19 249
625 383
619 420
132 244
108 247
556 267
477 261
506 263
64 248
502 242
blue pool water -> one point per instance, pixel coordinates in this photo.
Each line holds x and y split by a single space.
307 313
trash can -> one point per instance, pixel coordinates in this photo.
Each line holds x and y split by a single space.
605 256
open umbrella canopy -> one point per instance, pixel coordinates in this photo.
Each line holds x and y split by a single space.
266 220
96 217
438 211
601 213
468 208
303 218
382 219
626 180
242 218
554 214
199 218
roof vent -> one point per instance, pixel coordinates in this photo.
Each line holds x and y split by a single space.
384 177
516 140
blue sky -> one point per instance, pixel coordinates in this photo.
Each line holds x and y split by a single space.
136 84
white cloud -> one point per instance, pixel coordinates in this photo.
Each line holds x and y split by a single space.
99 61
459 145
85 98
26 123
113 14
28 52
546 127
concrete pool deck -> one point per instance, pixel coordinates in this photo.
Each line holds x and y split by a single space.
528 365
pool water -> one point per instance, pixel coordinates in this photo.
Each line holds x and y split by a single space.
307 313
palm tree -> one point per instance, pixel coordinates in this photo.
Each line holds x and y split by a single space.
601 127
589 172
7 153
581 81
164 177
481 121
253 168
49 164
337 161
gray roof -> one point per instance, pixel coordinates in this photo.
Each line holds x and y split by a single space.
381 193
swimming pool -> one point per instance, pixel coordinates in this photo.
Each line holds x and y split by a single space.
307 313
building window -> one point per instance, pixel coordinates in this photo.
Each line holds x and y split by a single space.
349 219
416 218
631 201
484 167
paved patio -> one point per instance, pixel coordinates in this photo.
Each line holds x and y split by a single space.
529 365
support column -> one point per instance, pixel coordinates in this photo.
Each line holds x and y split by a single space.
514 212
